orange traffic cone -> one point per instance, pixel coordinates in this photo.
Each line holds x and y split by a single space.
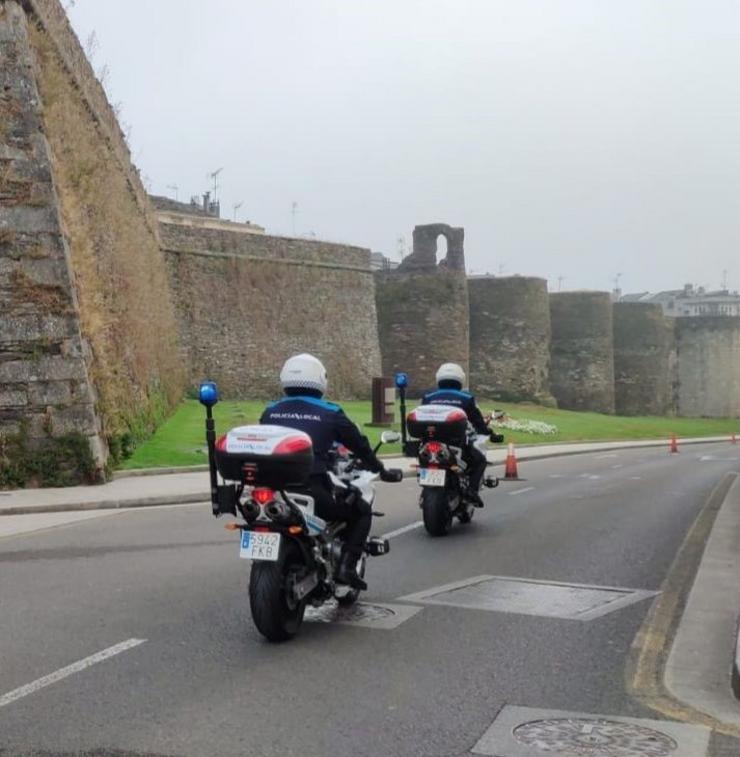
511 473
674 444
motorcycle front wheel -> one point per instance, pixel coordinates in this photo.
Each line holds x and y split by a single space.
435 511
275 612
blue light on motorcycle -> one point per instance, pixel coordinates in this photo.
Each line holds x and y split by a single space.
208 394
402 380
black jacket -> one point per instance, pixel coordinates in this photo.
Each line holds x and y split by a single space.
325 423
458 398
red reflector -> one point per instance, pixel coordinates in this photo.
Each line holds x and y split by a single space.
221 443
434 447
263 496
457 415
261 529
292 444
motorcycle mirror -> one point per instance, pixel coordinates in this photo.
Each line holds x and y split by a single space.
208 394
390 437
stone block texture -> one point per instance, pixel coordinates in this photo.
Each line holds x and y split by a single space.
246 302
423 322
644 360
582 351
88 340
510 338
708 366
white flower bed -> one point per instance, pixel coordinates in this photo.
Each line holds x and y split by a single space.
527 426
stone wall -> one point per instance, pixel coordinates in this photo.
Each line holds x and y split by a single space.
248 301
582 351
708 366
644 359
423 311
81 272
510 338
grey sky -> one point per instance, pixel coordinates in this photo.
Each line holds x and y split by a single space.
574 138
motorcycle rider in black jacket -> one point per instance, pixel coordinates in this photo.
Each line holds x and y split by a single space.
304 382
450 382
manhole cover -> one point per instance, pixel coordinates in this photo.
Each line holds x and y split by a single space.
594 738
362 614
333 613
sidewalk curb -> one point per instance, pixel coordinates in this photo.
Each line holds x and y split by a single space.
205 495
624 444
735 676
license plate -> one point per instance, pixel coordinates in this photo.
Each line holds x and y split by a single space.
432 477
256 545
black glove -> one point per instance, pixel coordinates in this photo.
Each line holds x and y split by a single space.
496 438
391 475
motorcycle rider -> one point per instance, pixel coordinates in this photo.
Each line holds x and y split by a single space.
303 379
450 382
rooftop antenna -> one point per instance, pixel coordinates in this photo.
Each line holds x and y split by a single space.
616 281
401 242
501 268
725 283
561 279
175 188
237 206
293 213
214 176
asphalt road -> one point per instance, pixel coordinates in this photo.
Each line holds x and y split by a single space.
199 680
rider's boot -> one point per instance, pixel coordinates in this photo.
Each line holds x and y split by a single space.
347 572
475 499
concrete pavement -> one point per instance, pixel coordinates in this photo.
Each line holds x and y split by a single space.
182 486
449 679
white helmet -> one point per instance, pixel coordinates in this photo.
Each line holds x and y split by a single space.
451 372
303 372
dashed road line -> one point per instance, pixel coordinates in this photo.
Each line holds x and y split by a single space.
75 667
521 491
616 467
403 530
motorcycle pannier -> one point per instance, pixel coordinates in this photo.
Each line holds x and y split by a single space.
272 456
443 423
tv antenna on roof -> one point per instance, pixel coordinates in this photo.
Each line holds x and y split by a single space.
237 206
175 188
214 176
725 284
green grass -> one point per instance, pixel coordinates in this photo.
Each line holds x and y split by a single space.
180 440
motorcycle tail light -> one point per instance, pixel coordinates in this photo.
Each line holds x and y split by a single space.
263 496
434 447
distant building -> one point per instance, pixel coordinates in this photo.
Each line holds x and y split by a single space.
379 262
194 213
690 301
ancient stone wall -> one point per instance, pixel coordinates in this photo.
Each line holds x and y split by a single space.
708 366
423 312
248 301
82 272
644 359
582 351
510 338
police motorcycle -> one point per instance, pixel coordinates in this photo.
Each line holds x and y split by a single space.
441 433
257 473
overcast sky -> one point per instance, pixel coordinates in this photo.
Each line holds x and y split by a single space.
571 138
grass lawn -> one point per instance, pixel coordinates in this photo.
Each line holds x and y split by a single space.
181 439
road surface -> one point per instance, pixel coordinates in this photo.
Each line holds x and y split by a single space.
130 634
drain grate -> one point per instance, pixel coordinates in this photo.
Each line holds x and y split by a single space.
364 614
528 732
594 738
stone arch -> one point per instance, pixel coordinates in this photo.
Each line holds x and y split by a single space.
424 254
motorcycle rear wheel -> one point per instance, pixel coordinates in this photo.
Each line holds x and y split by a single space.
436 511
276 614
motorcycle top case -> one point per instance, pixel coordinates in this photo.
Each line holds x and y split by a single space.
443 423
272 456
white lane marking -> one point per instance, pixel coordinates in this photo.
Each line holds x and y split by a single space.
557 475
69 670
402 530
603 457
590 476
521 491
635 478
616 467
